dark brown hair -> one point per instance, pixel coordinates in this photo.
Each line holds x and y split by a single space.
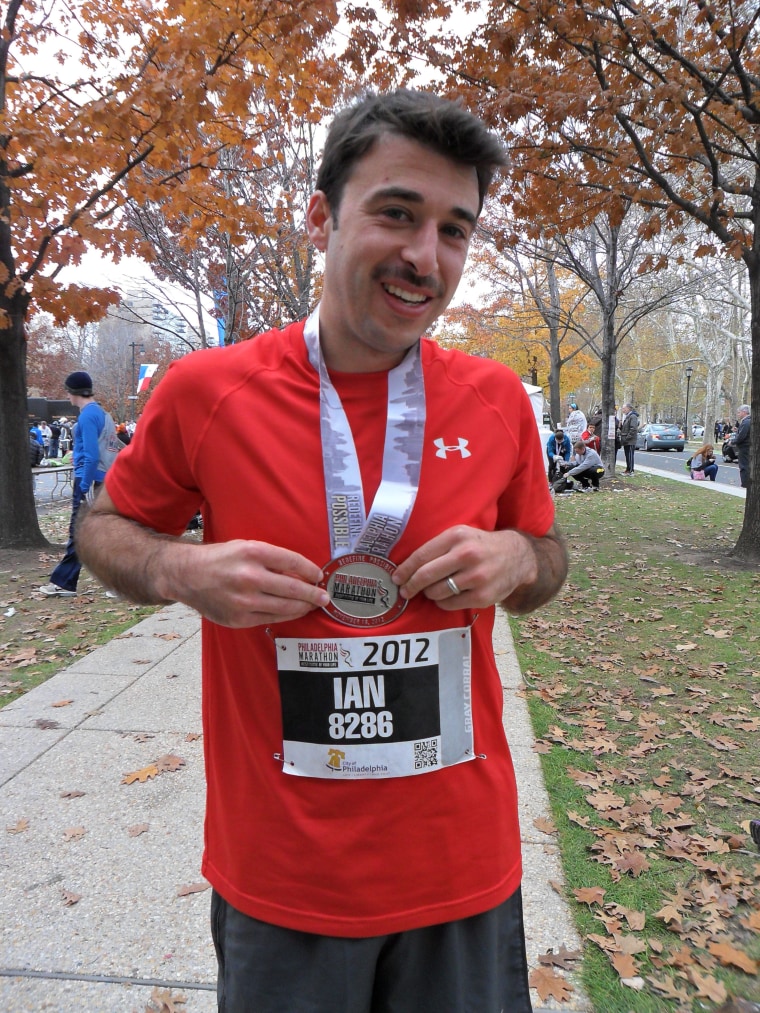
435 122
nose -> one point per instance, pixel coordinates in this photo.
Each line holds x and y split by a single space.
421 250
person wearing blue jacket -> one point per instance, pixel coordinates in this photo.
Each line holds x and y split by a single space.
558 448
87 475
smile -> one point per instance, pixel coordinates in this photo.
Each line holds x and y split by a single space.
409 297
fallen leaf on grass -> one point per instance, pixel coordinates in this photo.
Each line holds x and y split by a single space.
729 956
718 634
707 987
19 827
624 964
185 891
548 984
589 895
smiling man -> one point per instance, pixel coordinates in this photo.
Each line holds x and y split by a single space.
361 832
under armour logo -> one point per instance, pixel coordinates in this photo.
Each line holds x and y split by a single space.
460 447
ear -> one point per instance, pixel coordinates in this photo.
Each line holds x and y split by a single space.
319 221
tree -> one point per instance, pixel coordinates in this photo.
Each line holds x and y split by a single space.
253 263
624 99
91 93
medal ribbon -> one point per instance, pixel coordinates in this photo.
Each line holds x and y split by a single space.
351 530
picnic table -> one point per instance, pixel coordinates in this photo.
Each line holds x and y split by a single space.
62 480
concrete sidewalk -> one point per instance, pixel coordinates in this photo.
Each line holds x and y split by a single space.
102 905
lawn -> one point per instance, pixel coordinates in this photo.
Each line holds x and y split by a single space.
644 688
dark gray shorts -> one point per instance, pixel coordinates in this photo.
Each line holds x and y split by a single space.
476 965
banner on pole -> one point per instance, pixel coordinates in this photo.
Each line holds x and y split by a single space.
146 375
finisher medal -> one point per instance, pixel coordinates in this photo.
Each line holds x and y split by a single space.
361 590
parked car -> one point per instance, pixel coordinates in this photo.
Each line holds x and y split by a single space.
728 449
660 437
697 430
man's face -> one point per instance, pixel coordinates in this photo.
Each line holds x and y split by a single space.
395 259
741 415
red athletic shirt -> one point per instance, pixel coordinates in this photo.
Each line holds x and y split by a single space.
236 432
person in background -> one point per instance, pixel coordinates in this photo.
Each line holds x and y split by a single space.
704 461
381 871
585 466
122 434
558 449
629 429
55 440
36 451
741 442
46 434
87 475
576 423
591 438
36 433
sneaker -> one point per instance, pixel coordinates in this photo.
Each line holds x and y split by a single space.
53 591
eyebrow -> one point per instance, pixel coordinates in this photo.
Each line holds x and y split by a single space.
414 197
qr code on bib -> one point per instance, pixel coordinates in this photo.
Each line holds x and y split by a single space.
425 754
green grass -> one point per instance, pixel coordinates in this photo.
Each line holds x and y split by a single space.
633 679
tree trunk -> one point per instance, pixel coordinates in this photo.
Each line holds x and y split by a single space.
608 363
19 527
747 547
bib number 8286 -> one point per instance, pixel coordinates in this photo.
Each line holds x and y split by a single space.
361 725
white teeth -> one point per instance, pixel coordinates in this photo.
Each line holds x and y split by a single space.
406 296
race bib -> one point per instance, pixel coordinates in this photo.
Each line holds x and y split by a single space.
371 707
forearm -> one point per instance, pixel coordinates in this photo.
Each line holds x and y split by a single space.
546 568
127 557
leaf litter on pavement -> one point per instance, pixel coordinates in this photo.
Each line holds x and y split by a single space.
644 684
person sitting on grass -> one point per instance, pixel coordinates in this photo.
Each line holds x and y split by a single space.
558 451
703 463
585 465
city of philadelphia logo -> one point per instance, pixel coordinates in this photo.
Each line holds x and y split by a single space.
336 762
334 758
444 449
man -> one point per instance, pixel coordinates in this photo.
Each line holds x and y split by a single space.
55 440
558 449
741 442
585 465
340 625
576 422
629 430
88 474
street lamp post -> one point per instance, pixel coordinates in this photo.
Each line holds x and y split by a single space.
689 371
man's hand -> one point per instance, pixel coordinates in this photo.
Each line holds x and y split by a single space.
486 567
243 583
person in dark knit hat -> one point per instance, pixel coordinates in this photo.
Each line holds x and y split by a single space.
87 475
